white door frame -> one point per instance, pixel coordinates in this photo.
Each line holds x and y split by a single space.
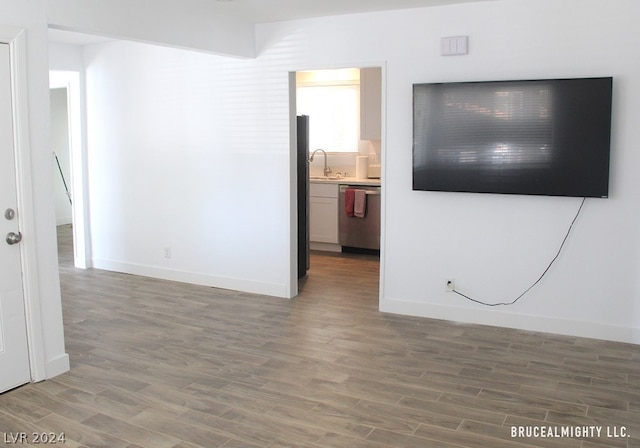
78 183
293 172
15 38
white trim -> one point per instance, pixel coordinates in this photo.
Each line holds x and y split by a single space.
64 220
57 366
15 38
292 273
516 321
195 278
327 247
383 176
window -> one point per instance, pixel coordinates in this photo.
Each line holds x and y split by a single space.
331 99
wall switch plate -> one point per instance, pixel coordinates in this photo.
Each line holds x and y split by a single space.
455 45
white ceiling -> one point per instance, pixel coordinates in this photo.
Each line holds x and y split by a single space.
261 11
74 38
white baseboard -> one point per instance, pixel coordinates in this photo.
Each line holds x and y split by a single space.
327 247
57 366
525 322
196 278
62 221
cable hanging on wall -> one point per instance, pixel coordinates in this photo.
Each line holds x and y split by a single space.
539 278
64 182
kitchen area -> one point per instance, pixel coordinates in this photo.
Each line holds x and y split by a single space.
339 171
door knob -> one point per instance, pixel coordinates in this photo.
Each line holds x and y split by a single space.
13 238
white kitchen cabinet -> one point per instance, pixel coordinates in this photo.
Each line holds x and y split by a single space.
370 103
323 216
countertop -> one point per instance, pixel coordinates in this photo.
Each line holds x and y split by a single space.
345 181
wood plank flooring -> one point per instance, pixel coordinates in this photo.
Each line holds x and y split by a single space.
162 364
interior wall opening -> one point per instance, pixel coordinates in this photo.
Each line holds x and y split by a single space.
68 161
339 157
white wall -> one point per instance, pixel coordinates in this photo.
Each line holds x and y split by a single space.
188 152
191 152
45 312
196 24
66 57
496 246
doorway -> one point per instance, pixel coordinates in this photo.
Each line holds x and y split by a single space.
61 155
368 145
69 161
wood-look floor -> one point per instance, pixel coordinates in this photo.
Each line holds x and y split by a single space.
160 364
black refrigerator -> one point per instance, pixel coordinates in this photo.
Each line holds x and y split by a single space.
303 194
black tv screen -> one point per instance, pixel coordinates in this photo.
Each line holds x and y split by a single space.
537 137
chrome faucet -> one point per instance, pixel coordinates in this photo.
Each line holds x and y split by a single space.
327 170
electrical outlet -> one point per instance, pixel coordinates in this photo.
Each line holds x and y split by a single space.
450 285
167 252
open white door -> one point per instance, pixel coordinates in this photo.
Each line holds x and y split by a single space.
14 352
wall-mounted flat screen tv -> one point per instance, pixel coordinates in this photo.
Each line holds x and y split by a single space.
537 137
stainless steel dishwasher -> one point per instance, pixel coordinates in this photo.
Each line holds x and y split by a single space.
363 233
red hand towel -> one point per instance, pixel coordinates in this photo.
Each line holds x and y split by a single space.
349 201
